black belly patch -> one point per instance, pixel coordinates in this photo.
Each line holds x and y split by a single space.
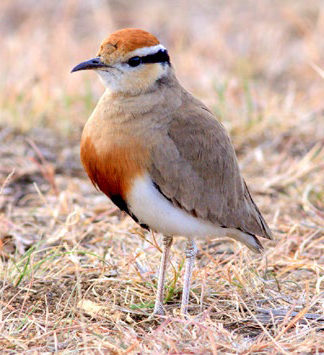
122 205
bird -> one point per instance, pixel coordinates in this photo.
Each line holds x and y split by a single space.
162 156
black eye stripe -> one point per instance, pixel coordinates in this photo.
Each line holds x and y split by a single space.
161 56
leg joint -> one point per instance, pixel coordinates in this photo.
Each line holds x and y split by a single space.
167 241
191 249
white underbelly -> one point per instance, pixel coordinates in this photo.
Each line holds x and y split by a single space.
157 212
154 210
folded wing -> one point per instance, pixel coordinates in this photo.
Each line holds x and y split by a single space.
195 167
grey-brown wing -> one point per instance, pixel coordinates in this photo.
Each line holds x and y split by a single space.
195 167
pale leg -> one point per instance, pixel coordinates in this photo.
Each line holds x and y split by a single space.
158 308
191 251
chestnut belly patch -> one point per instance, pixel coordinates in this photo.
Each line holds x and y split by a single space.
114 169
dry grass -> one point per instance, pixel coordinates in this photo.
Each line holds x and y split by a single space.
76 274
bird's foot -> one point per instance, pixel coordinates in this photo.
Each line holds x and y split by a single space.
158 310
184 312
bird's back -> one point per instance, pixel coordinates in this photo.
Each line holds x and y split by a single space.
195 166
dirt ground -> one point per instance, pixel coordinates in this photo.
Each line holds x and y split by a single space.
78 275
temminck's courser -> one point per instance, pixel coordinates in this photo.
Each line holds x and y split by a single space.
161 156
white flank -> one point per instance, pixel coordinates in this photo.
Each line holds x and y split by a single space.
153 209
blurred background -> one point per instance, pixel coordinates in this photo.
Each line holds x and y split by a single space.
220 49
259 66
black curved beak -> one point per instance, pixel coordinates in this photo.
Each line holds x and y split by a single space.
94 63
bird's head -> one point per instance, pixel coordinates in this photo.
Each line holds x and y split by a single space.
129 61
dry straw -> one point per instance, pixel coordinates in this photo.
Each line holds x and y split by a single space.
76 274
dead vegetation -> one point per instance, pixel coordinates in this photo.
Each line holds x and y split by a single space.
75 273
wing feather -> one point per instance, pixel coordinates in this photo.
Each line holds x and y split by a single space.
195 167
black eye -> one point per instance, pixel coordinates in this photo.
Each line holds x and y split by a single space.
134 61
